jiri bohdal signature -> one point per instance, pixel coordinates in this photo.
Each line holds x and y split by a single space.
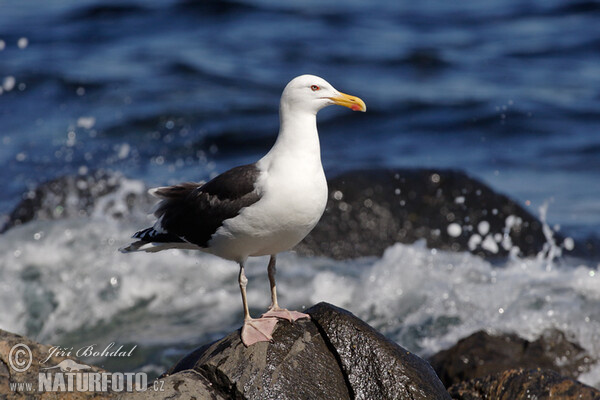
89 351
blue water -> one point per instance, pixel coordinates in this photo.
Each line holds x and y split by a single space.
505 90
168 91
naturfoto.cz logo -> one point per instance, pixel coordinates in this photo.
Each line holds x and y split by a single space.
71 376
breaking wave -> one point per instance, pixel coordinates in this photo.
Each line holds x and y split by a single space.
65 283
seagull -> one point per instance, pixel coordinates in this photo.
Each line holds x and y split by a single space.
257 209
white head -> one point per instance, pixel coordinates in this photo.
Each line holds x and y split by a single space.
310 93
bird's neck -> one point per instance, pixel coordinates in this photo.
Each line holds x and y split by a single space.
298 137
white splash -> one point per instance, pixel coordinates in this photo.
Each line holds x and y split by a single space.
64 278
22 43
86 122
9 83
483 228
490 244
454 229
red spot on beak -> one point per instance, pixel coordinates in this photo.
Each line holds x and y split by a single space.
355 107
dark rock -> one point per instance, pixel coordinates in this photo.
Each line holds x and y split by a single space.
335 355
297 365
184 385
368 211
523 384
376 368
482 354
101 191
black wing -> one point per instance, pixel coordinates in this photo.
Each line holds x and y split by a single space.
192 212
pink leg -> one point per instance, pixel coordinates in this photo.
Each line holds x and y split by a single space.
254 330
274 310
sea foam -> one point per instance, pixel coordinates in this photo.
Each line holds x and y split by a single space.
64 281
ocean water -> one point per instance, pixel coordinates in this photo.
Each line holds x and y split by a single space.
169 91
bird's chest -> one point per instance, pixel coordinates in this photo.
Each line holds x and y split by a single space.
293 198
297 197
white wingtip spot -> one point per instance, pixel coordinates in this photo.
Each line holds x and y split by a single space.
125 249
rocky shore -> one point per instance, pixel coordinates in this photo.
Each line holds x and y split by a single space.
367 211
335 355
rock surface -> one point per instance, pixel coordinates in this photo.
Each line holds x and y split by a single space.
184 385
375 367
297 365
523 384
100 192
368 211
334 355
481 354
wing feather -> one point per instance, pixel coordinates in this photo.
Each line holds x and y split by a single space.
192 212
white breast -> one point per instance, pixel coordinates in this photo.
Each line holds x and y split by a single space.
294 195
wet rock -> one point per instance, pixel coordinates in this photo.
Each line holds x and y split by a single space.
100 192
481 354
39 352
523 384
184 385
375 367
297 365
370 210
334 355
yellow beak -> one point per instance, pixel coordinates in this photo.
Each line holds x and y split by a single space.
352 102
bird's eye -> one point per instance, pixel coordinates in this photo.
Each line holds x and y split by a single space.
314 88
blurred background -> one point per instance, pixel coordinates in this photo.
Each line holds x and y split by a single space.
164 91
